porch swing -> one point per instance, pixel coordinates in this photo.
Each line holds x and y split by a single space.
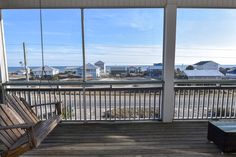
20 128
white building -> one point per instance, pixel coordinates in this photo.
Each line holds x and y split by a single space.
203 74
23 71
118 70
155 66
71 70
101 65
231 74
48 71
132 69
206 65
92 71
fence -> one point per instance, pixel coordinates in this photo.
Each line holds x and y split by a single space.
130 102
205 102
95 103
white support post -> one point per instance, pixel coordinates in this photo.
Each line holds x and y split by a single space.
169 60
3 60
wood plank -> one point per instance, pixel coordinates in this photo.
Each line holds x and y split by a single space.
14 119
44 128
8 118
18 151
6 140
19 141
114 140
20 108
27 109
23 140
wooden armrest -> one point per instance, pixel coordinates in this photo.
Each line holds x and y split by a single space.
52 103
57 105
22 126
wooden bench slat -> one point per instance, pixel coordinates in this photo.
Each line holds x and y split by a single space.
14 119
17 151
19 141
13 105
20 108
5 138
7 134
7 118
44 128
29 108
24 139
26 108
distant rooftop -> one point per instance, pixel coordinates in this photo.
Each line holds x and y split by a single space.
203 73
157 64
46 68
89 66
232 71
99 62
203 62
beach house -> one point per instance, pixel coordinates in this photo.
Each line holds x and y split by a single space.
47 72
206 65
92 71
155 71
203 74
101 65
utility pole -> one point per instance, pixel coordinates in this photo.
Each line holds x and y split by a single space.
25 62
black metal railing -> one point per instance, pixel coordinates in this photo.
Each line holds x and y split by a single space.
104 102
129 101
205 102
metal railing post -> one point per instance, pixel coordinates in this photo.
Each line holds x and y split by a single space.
1 94
84 65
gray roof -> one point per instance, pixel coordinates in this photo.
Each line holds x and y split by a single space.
99 62
157 64
69 68
232 71
89 66
204 73
155 68
203 62
46 68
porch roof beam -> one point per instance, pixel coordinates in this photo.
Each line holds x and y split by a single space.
34 4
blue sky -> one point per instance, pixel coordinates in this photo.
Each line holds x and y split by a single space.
119 36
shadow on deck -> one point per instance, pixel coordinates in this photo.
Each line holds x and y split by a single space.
137 139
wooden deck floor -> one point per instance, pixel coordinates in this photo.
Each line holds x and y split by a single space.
138 140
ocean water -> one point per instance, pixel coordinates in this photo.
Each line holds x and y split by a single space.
14 69
62 68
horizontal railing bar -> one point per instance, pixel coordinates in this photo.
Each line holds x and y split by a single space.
21 83
81 89
224 82
202 87
180 82
117 121
115 89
